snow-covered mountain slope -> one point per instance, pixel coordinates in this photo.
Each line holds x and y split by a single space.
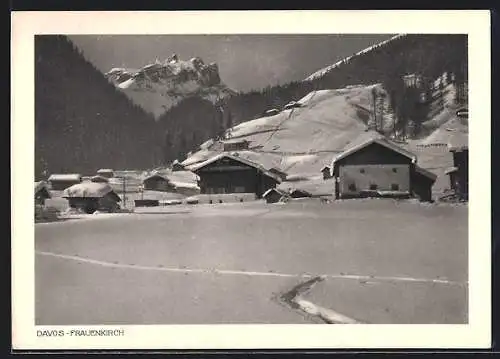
327 69
301 140
159 86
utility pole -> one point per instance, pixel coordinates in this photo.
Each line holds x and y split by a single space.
124 192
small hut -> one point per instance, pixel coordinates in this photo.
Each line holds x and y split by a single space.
271 112
459 173
462 113
327 172
274 195
451 172
106 172
292 104
92 196
41 192
299 193
157 182
177 166
236 145
99 179
422 181
59 182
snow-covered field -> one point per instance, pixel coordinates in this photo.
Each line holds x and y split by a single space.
227 263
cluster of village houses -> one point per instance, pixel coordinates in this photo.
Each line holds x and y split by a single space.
374 167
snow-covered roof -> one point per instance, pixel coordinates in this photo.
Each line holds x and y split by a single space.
99 178
277 190
105 170
236 141
383 142
296 177
453 132
450 170
239 159
458 142
176 163
292 104
425 173
277 171
89 190
156 175
391 193
178 184
65 177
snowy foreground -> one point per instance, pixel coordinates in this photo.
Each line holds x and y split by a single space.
359 261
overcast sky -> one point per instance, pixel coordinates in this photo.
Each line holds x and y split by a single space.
245 61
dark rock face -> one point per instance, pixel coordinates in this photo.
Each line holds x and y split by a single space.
210 75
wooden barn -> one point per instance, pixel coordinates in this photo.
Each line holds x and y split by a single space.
157 182
41 192
459 173
378 167
59 182
226 173
92 196
106 172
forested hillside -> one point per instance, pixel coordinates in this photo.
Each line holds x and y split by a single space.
82 123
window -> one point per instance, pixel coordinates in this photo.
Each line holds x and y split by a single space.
395 170
239 189
373 186
362 170
394 187
352 187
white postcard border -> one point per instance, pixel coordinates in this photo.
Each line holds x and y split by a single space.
476 334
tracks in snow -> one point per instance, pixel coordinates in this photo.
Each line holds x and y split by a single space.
161 268
293 298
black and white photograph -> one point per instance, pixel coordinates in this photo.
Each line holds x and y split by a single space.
230 178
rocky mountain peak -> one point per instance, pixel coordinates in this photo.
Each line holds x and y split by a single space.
158 86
